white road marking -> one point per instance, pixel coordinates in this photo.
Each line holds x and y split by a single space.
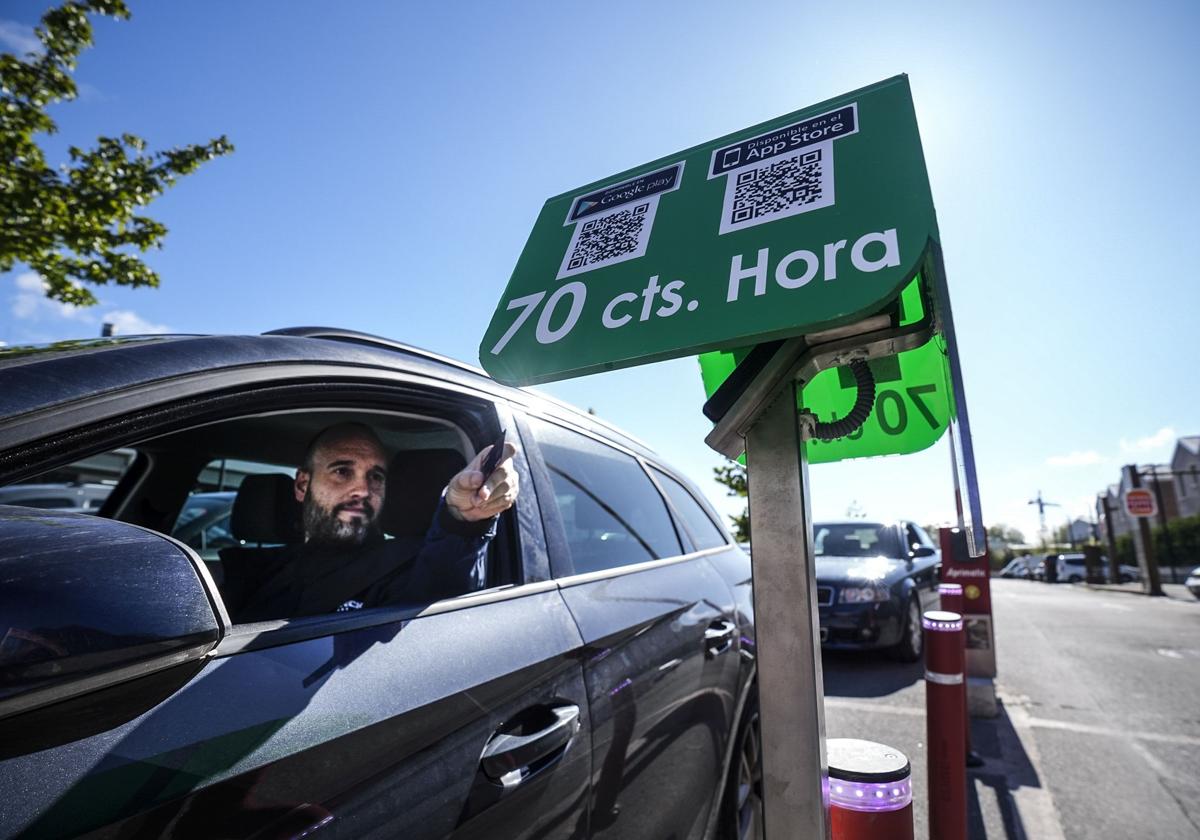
1170 654
1014 706
1104 731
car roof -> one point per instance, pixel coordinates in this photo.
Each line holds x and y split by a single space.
37 378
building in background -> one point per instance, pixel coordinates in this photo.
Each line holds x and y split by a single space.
1176 487
1108 505
1080 531
1185 465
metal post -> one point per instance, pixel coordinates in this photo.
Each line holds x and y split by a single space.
790 685
960 427
1162 520
1114 564
1151 584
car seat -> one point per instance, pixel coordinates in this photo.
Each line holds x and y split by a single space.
265 515
265 511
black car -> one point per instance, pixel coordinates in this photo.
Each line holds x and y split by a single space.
600 683
874 580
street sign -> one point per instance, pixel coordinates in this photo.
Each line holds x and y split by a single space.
803 223
812 239
1140 502
912 395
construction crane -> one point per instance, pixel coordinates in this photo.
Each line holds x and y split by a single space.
1042 505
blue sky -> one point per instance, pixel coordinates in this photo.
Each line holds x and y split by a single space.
391 159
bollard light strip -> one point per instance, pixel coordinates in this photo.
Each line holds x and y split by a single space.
942 626
865 796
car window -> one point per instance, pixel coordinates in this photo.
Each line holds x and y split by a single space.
226 489
914 539
204 521
923 536
704 532
611 511
81 486
856 539
222 474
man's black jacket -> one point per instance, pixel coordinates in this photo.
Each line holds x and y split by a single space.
298 580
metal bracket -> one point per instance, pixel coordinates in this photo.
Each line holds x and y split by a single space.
808 424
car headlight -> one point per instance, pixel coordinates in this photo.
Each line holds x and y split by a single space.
863 594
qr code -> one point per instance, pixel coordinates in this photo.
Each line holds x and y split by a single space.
609 238
780 187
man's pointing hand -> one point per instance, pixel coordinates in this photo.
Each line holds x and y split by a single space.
471 496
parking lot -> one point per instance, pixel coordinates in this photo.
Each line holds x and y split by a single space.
1098 734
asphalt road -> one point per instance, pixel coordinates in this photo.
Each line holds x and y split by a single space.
1099 728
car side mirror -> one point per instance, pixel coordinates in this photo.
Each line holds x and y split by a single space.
922 551
91 603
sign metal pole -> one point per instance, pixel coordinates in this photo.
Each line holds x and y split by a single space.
1142 541
1156 478
1110 539
790 685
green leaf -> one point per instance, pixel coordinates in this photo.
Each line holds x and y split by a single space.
80 223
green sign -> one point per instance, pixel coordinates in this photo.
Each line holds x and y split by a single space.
806 222
913 400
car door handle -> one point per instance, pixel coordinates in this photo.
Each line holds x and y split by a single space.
507 752
718 638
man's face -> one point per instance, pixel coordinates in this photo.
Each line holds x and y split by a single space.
343 495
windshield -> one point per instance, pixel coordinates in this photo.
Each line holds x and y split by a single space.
856 539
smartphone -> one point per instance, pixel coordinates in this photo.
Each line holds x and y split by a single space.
493 458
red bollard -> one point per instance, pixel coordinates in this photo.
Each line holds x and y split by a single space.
951 595
870 791
945 724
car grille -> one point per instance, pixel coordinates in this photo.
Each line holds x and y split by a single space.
824 596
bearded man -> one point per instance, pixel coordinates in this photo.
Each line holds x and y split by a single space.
344 562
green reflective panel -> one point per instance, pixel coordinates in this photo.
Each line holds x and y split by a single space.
912 396
799 224
912 310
